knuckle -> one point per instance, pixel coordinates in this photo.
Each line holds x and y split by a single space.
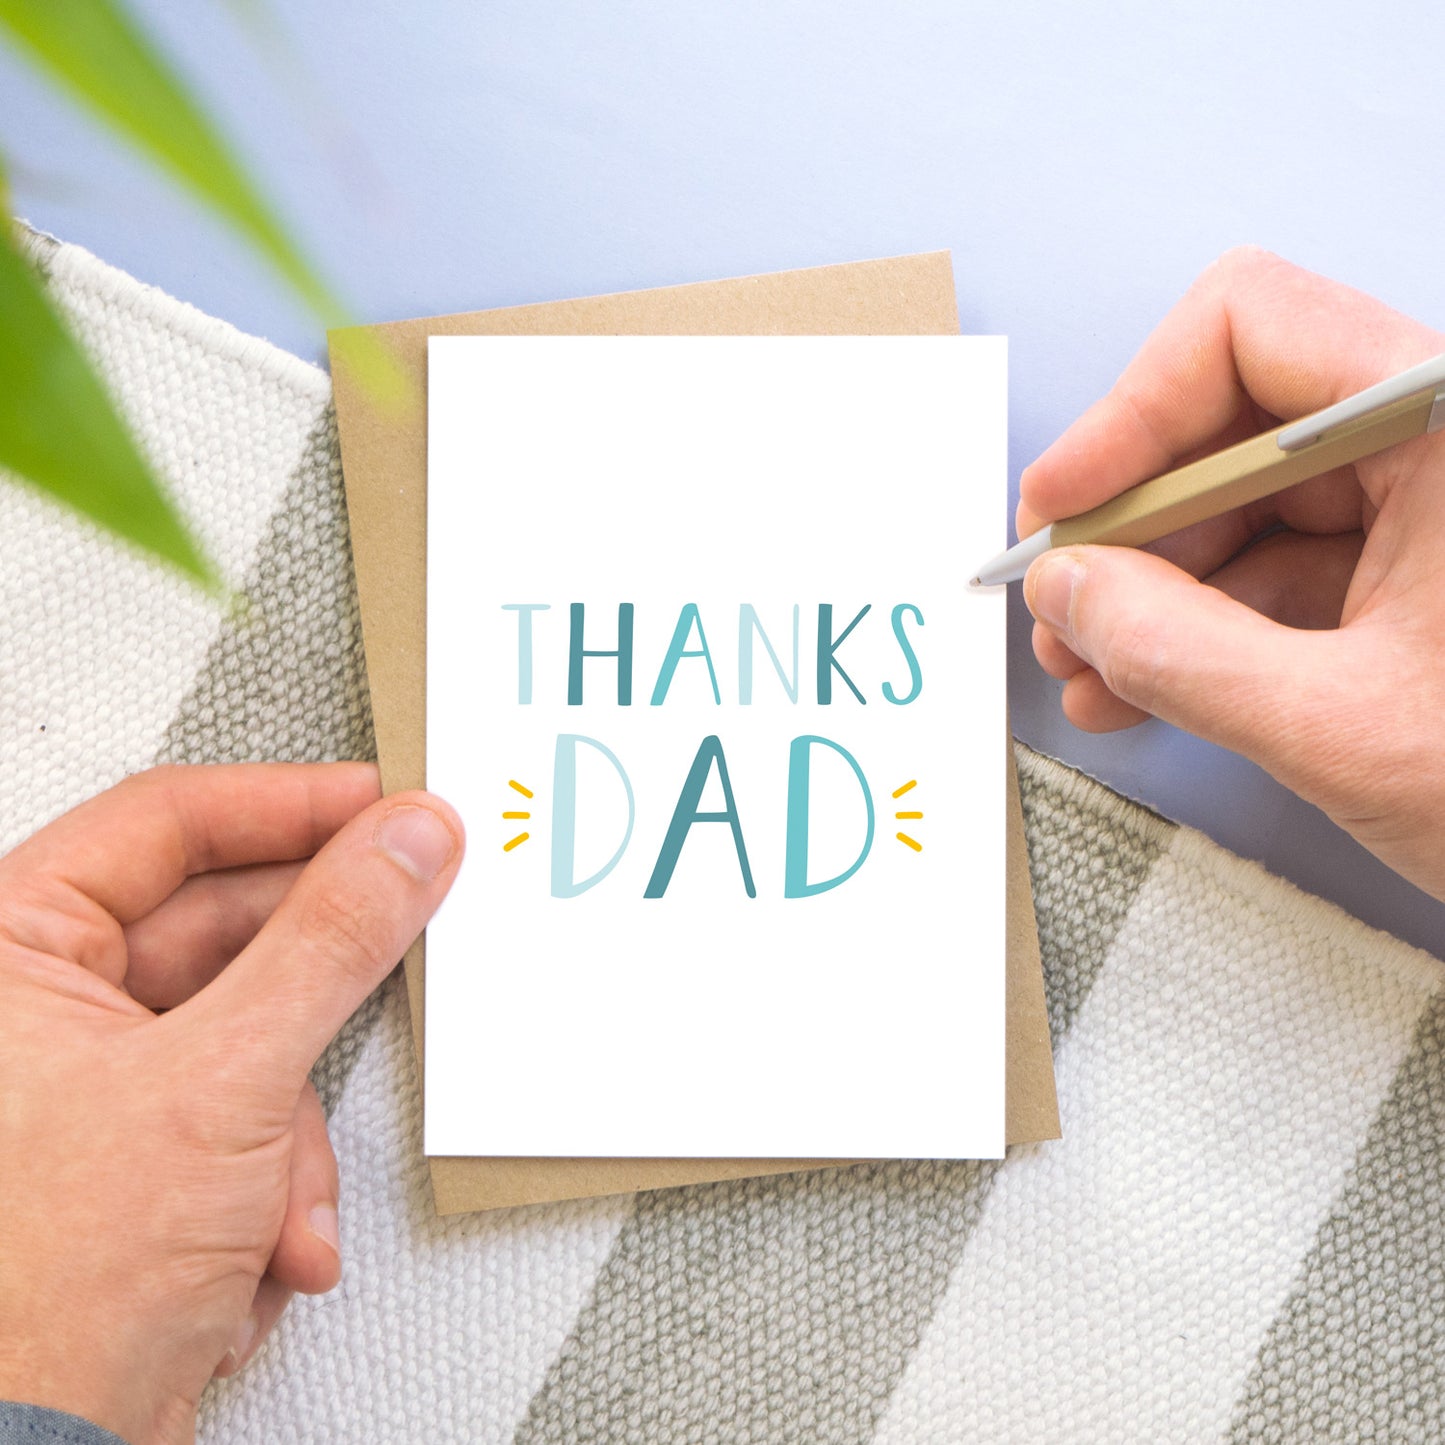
1131 660
1244 263
348 926
1139 404
93 939
50 915
1245 256
1241 273
161 778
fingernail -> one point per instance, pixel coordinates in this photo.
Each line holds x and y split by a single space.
322 1222
1050 592
417 839
245 1337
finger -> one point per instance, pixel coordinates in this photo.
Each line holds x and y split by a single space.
307 1257
349 917
1322 506
1174 647
179 947
269 1305
1088 704
1053 654
133 846
1300 582
1243 426
1330 503
1297 581
1254 339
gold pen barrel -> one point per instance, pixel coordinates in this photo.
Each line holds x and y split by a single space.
1244 473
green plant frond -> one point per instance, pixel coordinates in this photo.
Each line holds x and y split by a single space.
60 430
359 352
95 50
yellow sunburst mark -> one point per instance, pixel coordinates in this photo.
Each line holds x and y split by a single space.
903 837
521 838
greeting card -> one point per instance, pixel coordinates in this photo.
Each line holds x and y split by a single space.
707 681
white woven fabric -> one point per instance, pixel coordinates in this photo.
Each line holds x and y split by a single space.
1215 1087
100 647
1238 1238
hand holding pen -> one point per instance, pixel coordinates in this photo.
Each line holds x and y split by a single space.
1304 629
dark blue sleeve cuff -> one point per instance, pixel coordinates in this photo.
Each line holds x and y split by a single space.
35 1425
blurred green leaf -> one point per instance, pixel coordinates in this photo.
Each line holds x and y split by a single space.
93 48
58 427
60 430
360 352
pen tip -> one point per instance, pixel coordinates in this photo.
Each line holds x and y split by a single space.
975 582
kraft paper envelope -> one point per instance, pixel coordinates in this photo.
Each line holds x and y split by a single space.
383 451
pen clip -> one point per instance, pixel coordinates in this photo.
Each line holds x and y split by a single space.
1419 378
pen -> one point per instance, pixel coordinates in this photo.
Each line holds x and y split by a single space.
1394 410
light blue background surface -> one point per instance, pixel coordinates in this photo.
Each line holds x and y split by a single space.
1083 162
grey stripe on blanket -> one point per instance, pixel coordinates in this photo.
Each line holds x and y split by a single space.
1358 1352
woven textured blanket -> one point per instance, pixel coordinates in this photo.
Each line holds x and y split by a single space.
1239 1237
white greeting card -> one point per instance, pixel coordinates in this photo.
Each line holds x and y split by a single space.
726 725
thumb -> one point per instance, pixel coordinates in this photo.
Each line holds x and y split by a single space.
1191 654
348 918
